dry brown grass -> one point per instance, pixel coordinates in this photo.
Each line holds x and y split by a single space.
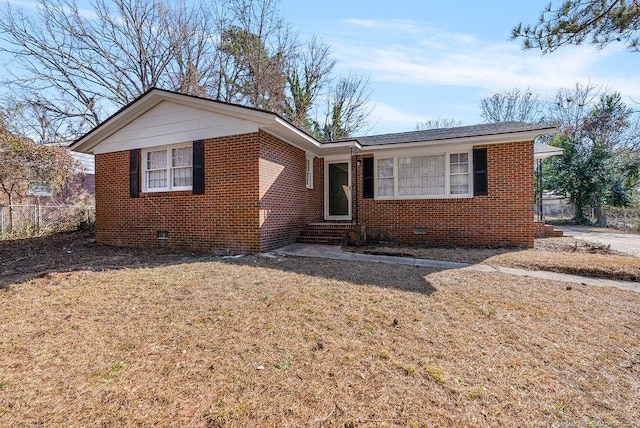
469 255
572 256
304 342
563 255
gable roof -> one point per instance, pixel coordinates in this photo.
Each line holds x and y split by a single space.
513 131
280 127
268 121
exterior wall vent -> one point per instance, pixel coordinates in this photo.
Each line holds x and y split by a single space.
419 230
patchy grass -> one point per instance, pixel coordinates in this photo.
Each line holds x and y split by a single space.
572 256
453 254
304 342
563 255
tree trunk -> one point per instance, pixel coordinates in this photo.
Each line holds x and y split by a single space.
578 215
10 229
601 218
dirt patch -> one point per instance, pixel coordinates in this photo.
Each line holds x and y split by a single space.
572 256
23 259
308 342
451 254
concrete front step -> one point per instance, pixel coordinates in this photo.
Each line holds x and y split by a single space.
546 231
327 225
330 233
326 240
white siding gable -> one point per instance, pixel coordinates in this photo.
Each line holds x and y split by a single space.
170 123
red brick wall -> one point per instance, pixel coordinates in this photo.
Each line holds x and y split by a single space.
286 205
239 213
503 218
223 220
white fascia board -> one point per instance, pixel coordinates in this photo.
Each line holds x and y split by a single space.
342 148
292 135
511 137
548 154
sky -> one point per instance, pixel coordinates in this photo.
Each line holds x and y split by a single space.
430 59
435 59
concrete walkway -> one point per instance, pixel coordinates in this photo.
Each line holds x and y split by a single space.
624 242
337 253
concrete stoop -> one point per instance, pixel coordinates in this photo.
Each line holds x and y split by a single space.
326 233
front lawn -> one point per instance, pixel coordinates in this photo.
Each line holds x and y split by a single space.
563 255
170 339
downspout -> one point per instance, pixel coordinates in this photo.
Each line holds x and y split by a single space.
540 213
354 155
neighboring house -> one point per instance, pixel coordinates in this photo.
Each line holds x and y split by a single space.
79 188
189 172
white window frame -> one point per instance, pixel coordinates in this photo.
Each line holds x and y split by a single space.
169 169
308 170
413 153
468 174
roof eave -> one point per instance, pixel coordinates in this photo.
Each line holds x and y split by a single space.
270 122
510 137
548 154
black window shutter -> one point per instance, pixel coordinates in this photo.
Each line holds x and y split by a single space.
134 173
367 178
198 167
480 176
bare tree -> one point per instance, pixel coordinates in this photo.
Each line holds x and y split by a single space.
88 64
438 123
347 108
570 106
194 35
27 114
78 65
512 105
256 47
306 78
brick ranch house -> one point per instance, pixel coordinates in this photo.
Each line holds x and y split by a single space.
189 172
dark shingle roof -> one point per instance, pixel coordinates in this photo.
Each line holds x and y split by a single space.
448 133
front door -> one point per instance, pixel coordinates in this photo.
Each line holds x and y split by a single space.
338 190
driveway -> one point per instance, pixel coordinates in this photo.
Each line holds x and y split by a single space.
624 242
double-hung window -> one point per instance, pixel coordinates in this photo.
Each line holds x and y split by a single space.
437 175
167 169
385 177
459 173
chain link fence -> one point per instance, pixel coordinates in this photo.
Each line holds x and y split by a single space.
23 221
623 218
559 210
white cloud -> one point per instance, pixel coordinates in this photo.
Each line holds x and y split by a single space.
396 25
404 51
394 118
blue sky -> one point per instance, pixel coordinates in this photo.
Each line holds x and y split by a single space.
428 59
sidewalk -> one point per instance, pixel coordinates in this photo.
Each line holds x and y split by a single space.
337 253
